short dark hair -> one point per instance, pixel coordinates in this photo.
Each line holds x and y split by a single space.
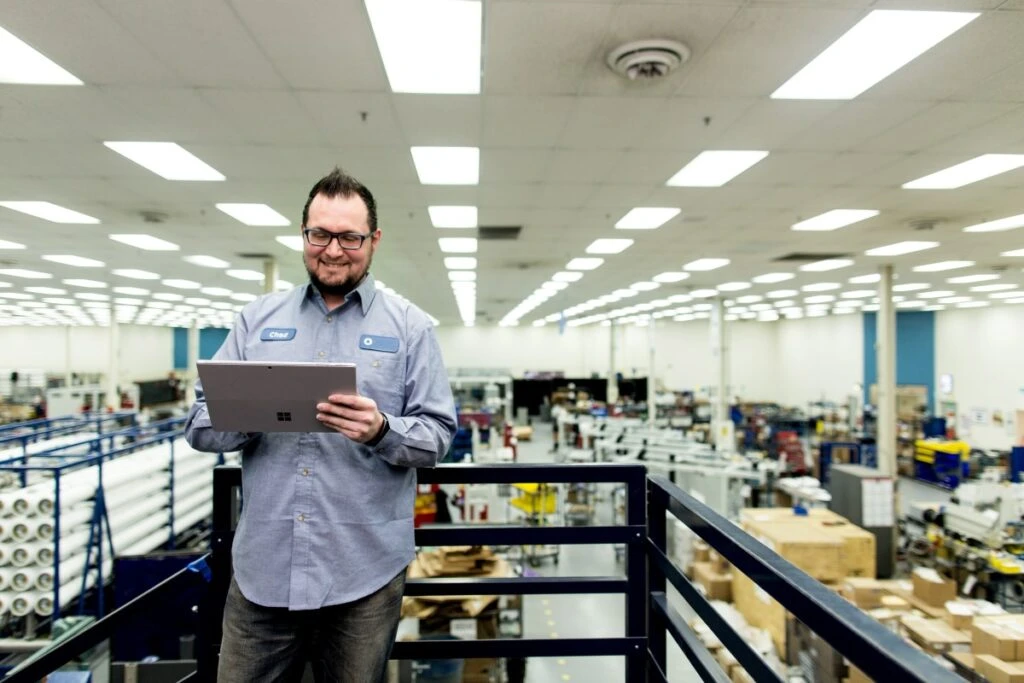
338 183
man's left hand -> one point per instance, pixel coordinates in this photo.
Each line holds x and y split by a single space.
354 416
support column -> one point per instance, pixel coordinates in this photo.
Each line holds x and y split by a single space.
652 409
269 276
885 358
192 351
724 436
613 383
68 369
113 397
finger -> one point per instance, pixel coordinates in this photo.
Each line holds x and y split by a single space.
353 401
348 427
363 416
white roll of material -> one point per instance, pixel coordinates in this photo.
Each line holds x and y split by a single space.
6 527
24 579
23 555
23 531
4 604
44 530
6 576
43 605
23 604
33 502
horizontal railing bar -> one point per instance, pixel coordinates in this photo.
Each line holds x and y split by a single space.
481 534
517 647
538 474
539 585
701 660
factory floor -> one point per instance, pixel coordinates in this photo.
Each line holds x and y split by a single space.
582 616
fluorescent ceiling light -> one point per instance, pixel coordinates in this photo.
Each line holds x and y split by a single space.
453 216
827 265
979 288
181 284
876 46
1004 295
168 160
460 262
910 287
457 245
88 284
644 286
942 265
859 294
567 276
554 286
242 274
168 296
670 277
821 287
646 218
937 294
970 171
447 165
771 278
705 264
715 168
819 299
973 304
92 296
50 212
703 293
4 244
215 291
22 64
206 261
954 300
147 242
733 286
463 285
834 219
901 248
244 297
971 279
865 279
781 294
462 275
429 46
133 291
1009 223
609 246
1014 253
910 304
26 274
584 263
135 274
293 242
46 290
749 299
71 260
254 214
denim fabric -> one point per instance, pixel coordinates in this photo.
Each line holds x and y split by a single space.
346 643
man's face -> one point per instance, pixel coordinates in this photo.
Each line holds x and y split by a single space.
333 270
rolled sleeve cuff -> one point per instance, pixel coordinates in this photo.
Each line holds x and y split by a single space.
392 438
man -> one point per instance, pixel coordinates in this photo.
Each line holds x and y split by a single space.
326 530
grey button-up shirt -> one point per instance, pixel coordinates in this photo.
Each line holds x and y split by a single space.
326 520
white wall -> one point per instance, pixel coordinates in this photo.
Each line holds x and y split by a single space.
819 358
146 352
982 349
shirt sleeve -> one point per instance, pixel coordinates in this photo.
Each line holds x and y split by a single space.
199 432
421 435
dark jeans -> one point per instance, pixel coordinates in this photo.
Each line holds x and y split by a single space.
347 643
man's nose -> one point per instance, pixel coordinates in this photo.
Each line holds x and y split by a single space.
334 249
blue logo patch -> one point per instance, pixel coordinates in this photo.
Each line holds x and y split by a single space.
277 334
373 342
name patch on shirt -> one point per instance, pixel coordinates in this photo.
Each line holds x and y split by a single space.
277 334
374 342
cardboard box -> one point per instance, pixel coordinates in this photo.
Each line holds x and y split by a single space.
717 586
996 670
895 603
815 551
857 555
998 640
740 675
855 675
932 589
480 670
701 552
936 636
864 593
761 611
1008 626
720 564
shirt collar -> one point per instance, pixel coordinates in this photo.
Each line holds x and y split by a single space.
366 291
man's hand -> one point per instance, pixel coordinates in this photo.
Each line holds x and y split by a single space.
356 417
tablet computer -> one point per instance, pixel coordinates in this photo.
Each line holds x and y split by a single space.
253 396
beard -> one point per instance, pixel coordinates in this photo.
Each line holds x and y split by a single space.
338 289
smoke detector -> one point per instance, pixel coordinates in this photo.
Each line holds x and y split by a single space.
647 60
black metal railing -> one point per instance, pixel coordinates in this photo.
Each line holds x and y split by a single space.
870 646
649 616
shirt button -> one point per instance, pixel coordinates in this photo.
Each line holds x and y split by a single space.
302 518
305 472
320 355
329 318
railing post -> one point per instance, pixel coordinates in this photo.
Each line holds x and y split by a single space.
211 607
637 596
658 537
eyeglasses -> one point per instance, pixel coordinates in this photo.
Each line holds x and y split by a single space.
346 240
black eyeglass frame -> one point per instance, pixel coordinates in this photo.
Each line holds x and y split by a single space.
336 236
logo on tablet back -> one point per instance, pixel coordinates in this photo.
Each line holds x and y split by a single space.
284 417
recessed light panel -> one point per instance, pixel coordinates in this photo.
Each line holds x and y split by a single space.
453 216
706 264
72 260
715 168
50 212
146 242
1009 223
168 160
901 248
584 263
970 171
460 262
22 64
646 218
942 266
457 245
447 165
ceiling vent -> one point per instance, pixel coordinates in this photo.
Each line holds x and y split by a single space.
647 60
799 256
501 232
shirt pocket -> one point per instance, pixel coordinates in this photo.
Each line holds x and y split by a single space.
382 378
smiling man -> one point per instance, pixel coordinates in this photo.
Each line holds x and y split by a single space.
326 530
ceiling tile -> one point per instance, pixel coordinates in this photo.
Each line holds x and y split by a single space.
442 120
528 121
